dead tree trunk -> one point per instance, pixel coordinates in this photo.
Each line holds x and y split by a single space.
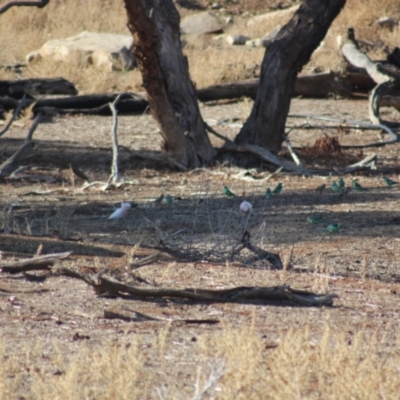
283 60
171 93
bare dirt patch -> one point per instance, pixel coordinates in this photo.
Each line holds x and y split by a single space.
49 209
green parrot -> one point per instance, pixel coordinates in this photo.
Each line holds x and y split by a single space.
389 182
227 192
335 187
333 227
341 183
278 188
268 193
168 199
356 186
314 218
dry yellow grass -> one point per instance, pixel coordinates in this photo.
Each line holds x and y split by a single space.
233 364
24 29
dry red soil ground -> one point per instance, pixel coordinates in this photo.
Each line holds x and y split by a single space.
50 209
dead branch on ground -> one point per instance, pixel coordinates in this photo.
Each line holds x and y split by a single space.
12 289
344 123
145 261
39 4
317 85
114 176
266 155
18 158
129 315
33 264
385 79
64 164
110 286
16 112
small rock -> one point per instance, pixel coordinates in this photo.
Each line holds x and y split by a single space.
280 17
201 23
103 50
216 6
236 39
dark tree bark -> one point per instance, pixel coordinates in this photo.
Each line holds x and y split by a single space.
283 60
171 93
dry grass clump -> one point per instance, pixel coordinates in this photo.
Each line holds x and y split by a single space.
236 363
336 365
24 29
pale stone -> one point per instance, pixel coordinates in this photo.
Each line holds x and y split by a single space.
275 17
201 23
103 50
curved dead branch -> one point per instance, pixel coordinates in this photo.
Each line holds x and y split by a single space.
39 4
18 158
348 124
386 80
110 286
267 155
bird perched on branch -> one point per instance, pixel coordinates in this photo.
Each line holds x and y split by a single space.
121 212
341 183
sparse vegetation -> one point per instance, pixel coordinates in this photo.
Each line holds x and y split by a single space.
58 344
228 364
26 29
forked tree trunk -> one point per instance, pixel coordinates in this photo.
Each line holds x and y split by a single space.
171 93
283 60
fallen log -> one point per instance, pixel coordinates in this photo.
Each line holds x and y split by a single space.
110 286
36 86
318 85
96 104
129 103
32 264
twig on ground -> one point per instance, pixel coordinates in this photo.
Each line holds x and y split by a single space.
292 167
114 176
111 286
10 289
291 151
17 110
145 261
35 263
12 163
213 378
39 4
350 124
